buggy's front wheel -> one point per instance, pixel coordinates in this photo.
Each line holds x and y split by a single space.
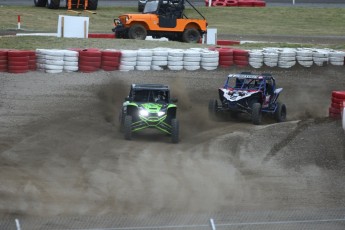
213 109
174 131
128 127
256 113
280 113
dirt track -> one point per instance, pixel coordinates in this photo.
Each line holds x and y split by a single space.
62 154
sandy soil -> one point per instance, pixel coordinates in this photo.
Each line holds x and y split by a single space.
61 153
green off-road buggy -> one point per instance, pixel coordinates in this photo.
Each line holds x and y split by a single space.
149 106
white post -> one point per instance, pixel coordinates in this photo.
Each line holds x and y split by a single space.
213 226
209 3
17 224
293 2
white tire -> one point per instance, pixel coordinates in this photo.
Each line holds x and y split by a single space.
129 59
54 67
175 67
41 60
209 64
210 54
191 53
71 68
175 53
54 62
50 57
210 59
192 59
143 68
287 58
258 60
191 63
156 67
71 63
53 70
306 63
145 53
128 63
159 58
146 58
173 63
143 63
58 53
191 68
40 66
175 58
160 52
159 63
209 67
126 68
304 58
69 58
71 53
129 53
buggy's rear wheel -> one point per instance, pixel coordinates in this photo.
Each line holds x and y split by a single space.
53 4
128 127
213 109
174 130
40 3
280 113
122 120
137 32
256 113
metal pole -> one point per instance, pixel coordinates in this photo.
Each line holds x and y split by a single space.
213 226
17 224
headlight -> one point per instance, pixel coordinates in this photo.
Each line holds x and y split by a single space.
143 113
160 113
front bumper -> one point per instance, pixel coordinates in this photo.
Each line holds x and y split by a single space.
160 123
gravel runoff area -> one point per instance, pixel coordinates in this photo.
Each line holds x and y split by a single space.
62 155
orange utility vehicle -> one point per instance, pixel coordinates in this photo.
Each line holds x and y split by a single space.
70 4
161 18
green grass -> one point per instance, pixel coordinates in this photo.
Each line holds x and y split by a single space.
299 21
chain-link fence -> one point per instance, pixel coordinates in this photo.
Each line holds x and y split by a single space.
254 220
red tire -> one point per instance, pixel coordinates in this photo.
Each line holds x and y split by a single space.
18 63
338 94
337 105
90 59
227 42
226 58
337 100
218 3
3 62
18 59
108 58
259 4
3 57
18 67
110 63
226 63
108 53
88 53
231 3
334 115
241 63
334 110
109 68
243 3
17 53
241 58
238 52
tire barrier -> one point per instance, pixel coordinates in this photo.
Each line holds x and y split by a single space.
128 60
236 3
110 59
3 60
241 58
343 116
256 58
337 104
288 57
226 57
160 58
191 59
18 61
90 60
144 59
175 59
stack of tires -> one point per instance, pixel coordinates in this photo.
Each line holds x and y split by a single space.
209 59
3 60
18 61
144 59
191 59
256 59
337 58
175 59
71 61
336 108
128 60
320 57
50 61
287 58
159 58
241 57
304 57
110 60
237 3
226 57
90 60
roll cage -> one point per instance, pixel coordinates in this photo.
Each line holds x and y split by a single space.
148 93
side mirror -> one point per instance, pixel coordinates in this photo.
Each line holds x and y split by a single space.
174 100
128 98
277 91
